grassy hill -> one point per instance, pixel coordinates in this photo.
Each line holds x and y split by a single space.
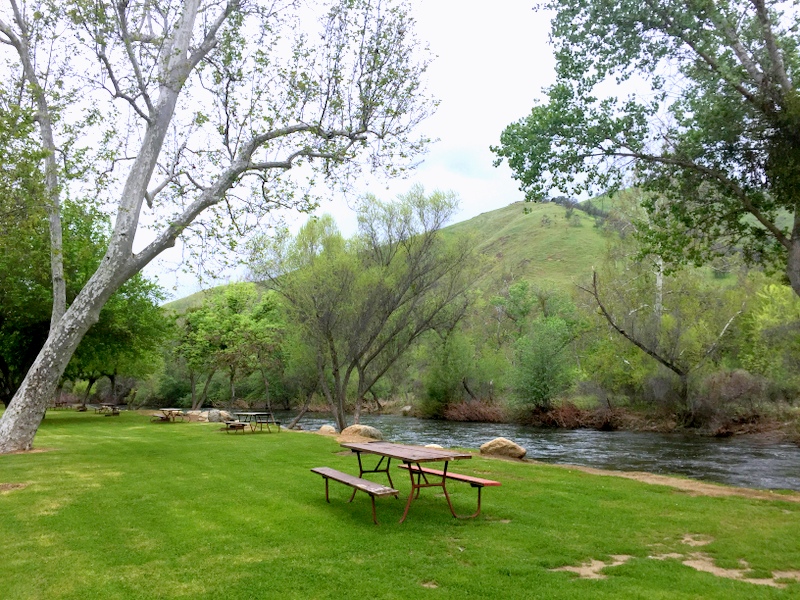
540 245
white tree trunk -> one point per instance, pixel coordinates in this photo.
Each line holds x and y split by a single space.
26 410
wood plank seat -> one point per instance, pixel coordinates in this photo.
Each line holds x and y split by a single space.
234 426
475 482
369 487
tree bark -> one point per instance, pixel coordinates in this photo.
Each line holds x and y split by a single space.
43 118
21 419
793 257
267 403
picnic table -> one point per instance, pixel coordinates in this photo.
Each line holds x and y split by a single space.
170 414
412 458
259 419
108 409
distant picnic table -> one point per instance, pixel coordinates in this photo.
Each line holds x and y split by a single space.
259 419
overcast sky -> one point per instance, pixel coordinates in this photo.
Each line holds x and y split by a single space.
492 61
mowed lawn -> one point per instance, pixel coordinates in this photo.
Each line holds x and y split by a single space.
119 507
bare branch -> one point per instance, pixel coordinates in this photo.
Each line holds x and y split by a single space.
595 293
120 12
776 60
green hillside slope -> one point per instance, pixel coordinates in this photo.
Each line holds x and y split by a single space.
540 246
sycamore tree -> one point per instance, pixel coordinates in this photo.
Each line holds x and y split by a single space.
363 302
712 130
196 118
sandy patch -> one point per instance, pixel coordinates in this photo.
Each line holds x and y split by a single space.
10 487
696 540
690 486
699 561
591 569
704 563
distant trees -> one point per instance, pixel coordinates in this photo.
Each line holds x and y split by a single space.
543 325
363 302
237 330
127 339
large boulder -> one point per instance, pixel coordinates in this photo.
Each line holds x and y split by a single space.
503 447
224 415
327 429
214 416
363 431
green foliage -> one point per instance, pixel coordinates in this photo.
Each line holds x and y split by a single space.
362 303
772 347
450 363
713 140
237 330
543 368
127 338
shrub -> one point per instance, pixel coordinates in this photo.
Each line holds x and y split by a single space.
542 368
475 411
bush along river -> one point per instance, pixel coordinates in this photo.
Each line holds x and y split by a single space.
745 461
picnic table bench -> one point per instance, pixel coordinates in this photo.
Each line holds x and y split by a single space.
369 487
234 426
475 482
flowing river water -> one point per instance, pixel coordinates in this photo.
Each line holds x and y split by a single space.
745 461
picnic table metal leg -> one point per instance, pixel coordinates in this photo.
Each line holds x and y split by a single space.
477 512
374 514
377 469
444 487
415 487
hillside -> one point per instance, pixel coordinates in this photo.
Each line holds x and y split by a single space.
541 246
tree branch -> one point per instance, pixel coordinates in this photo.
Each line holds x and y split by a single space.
594 292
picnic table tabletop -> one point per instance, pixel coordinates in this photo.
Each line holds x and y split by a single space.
406 453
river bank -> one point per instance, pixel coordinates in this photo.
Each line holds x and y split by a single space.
780 423
763 460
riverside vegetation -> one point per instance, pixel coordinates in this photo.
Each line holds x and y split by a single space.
124 508
531 343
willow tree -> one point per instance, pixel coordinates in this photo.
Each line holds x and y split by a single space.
363 302
196 115
711 128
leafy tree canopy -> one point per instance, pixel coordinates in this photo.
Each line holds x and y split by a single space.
712 130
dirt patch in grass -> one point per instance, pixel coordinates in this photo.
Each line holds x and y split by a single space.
699 561
10 487
591 568
32 451
690 486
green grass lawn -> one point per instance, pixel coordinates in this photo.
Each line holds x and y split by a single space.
123 508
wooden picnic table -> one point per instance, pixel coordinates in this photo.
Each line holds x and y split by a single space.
170 414
412 457
258 419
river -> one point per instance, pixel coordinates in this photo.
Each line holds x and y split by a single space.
744 461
